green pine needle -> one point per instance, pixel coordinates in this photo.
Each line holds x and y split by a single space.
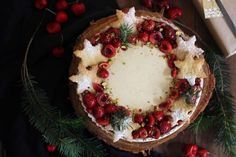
125 31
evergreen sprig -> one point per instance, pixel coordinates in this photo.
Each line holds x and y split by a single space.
125 31
57 129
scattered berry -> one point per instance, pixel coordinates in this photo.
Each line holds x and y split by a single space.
174 94
103 65
143 36
150 120
102 99
98 87
102 73
138 118
155 37
61 17
163 4
155 132
116 42
191 149
109 51
40 4
89 99
149 25
174 72
169 33
78 8
135 134
51 148
165 126
106 38
203 152
174 12
110 108
142 132
165 46
58 51
147 3
53 27
98 112
132 38
103 121
61 5
165 105
158 115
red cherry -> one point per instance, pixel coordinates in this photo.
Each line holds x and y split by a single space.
135 134
149 25
191 149
109 51
174 72
53 27
132 38
163 4
89 99
103 73
139 27
143 36
182 85
156 132
115 32
174 12
94 40
78 8
40 4
110 108
169 33
102 99
103 65
165 46
58 51
51 148
165 126
174 94
97 87
147 3
150 120
142 132
170 60
138 118
158 115
61 17
106 38
191 155
61 5
103 121
165 105
98 112
197 82
155 37
203 152
116 42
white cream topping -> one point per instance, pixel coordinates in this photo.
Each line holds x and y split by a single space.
84 82
139 77
130 17
91 54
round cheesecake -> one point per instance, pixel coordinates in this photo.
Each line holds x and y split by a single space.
139 78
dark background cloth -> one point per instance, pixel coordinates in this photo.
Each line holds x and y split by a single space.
19 20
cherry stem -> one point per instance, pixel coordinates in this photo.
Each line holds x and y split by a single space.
50 11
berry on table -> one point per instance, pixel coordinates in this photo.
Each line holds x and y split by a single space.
58 51
53 27
61 5
78 8
61 17
40 4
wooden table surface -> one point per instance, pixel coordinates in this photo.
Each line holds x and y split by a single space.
192 19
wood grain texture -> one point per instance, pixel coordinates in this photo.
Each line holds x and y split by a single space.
135 147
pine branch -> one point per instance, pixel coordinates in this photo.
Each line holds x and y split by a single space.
125 31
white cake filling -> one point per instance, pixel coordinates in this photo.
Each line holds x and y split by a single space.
140 77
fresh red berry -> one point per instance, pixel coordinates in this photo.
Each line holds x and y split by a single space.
138 118
116 42
61 17
110 108
109 51
155 132
165 126
40 4
132 38
102 73
165 46
149 25
169 33
174 94
106 38
98 112
142 132
53 27
58 51
165 105
190 155
158 115
139 27
135 134
174 12
103 121
115 32
147 3
61 5
191 149
143 36
102 99
94 40
150 120
51 148
163 4
103 65
170 60
174 72
78 8
89 99
97 87
203 152
182 85
155 38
